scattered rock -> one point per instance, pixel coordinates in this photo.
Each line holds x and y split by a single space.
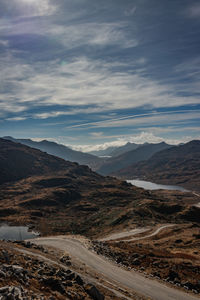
55 284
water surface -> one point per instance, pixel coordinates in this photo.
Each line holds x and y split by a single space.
16 233
154 186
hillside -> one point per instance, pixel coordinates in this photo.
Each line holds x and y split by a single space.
18 161
59 197
179 165
124 160
61 151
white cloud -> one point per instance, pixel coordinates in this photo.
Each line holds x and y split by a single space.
4 43
96 34
88 148
143 137
97 135
83 82
171 129
130 11
54 114
32 8
16 119
73 35
194 11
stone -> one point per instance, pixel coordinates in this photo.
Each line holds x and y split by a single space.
93 292
79 280
10 296
136 262
70 276
16 291
55 284
4 289
6 256
135 255
17 269
173 275
2 274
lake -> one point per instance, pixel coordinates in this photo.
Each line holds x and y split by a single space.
16 233
154 186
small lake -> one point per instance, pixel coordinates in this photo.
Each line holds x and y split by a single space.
154 186
16 233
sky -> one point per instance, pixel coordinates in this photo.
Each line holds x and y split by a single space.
92 74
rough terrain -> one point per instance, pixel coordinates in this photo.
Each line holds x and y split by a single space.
121 276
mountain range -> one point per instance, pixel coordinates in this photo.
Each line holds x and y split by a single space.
61 151
57 196
126 159
120 157
115 150
178 165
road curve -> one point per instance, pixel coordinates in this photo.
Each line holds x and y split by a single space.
198 195
119 236
151 234
132 280
123 234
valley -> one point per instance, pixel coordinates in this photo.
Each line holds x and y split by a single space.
117 235
99 150
178 165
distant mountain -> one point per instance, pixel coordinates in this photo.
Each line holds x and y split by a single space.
115 151
105 152
126 159
61 151
18 161
178 165
123 149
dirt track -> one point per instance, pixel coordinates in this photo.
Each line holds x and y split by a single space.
129 279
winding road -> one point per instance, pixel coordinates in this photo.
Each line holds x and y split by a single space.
129 279
198 204
121 235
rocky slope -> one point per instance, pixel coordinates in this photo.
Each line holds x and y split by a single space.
58 197
126 159
179 165
61 151
171 256
79 202
68 198
40 274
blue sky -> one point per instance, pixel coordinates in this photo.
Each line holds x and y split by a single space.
99 73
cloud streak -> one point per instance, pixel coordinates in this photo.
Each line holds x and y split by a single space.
148 118
90 67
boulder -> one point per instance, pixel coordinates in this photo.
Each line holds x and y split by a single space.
79 280
93 292
54 284
136 262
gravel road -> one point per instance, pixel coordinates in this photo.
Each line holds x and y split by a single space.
132 280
